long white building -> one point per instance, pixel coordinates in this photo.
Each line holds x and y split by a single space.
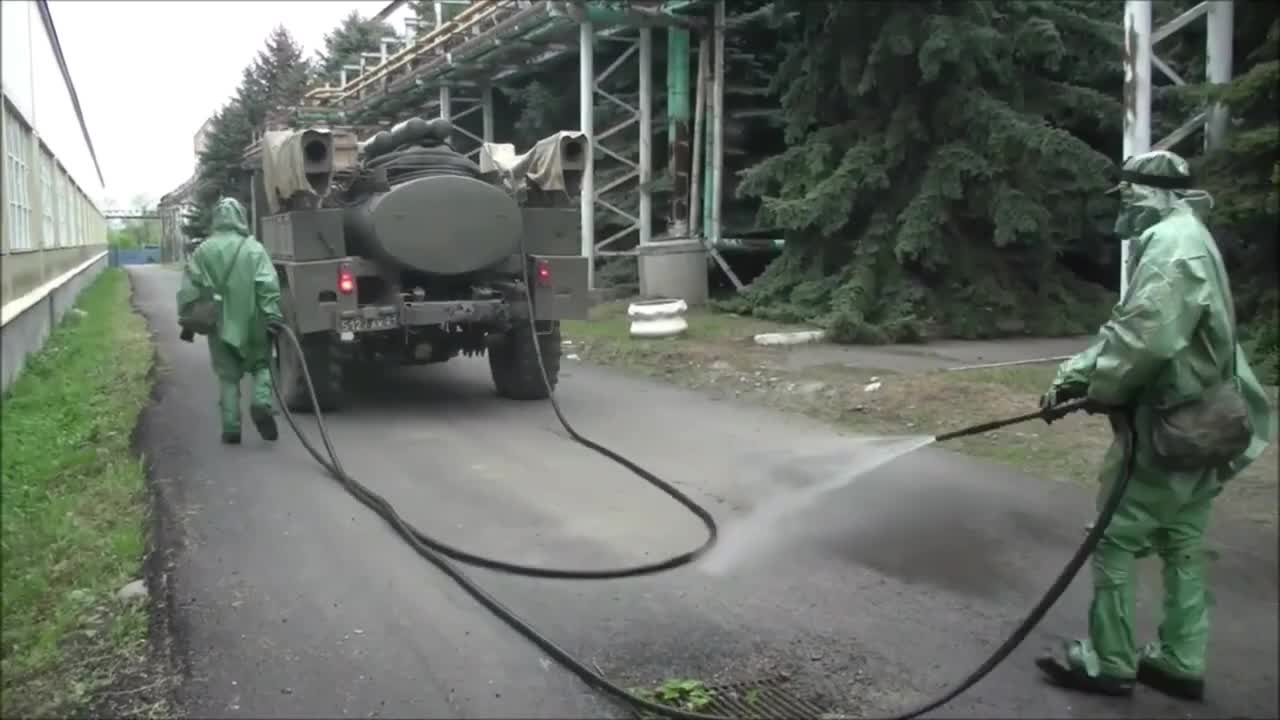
52 194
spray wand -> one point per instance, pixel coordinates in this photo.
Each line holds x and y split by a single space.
1048 414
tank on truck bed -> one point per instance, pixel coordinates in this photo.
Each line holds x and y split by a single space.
400 250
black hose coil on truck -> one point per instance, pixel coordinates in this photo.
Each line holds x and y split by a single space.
415 161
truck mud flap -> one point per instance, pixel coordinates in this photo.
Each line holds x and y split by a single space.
567 298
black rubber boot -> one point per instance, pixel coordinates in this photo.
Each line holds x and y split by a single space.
231 438
265 422
1072 678
1163 681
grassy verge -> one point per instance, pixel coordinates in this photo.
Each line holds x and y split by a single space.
73 502
717 356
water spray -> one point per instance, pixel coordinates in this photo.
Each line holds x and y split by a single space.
440 554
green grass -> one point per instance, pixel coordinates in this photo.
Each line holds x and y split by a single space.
608 321
605 336
72 502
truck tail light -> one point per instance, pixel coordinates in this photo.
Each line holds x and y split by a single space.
543 273
346 281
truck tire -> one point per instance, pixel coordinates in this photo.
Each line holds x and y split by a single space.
515 367
326 373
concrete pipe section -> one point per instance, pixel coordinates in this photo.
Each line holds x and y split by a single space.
658 318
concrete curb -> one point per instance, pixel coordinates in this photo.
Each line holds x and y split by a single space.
790 338
25 323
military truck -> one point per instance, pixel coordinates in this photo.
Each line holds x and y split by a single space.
398 249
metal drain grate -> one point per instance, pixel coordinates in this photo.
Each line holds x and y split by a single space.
763 699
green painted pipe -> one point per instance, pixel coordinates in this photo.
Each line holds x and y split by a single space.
678 106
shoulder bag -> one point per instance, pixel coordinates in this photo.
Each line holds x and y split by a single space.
204 316
1213 428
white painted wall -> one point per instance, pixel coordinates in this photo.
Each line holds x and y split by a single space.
33 82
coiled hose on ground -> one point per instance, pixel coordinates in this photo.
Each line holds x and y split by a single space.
439 553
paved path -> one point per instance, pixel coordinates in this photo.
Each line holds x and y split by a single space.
292 600
938 355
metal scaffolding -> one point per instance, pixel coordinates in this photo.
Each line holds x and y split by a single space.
492 42
1139 60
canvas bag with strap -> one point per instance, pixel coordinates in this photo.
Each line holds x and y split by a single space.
1214 428
204 315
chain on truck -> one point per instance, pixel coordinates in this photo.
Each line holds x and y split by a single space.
400 250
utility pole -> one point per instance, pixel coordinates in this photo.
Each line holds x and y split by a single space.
1137 97
1140 59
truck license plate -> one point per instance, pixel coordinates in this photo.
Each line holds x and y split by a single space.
384 322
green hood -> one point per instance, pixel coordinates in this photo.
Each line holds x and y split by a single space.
1143 206
228 216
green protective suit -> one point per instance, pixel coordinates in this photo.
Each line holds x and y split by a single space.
1167 339
250 298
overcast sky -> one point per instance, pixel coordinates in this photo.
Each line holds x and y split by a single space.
150 73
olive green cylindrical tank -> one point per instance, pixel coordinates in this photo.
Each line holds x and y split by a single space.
443 224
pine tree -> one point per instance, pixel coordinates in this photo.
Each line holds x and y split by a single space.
344 45
280 76
218 172
930 182
276 78
1244 175
1244 179
425 12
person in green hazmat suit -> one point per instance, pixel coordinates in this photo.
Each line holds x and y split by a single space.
234 265
1170 337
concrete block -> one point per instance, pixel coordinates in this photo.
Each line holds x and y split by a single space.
674 269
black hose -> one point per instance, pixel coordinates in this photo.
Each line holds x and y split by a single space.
438 553
414 161
1122 423
423 545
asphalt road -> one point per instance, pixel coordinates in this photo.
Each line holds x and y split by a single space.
293 600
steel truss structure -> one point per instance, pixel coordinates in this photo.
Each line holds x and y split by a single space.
490 42
1139 60
493 42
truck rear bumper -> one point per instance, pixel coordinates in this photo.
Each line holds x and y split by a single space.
375 318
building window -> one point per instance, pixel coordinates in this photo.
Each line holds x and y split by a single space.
17 211
64 203
59 237
48 234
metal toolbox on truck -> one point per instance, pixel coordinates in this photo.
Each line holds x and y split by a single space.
304 235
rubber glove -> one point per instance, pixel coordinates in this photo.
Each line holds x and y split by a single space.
1059 394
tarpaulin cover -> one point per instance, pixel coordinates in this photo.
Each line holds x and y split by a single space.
282 167
541 167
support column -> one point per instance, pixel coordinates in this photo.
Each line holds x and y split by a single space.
678 164
446 106
1218 59
646 135
699 153
716 122
1137 97
486 113
586 122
